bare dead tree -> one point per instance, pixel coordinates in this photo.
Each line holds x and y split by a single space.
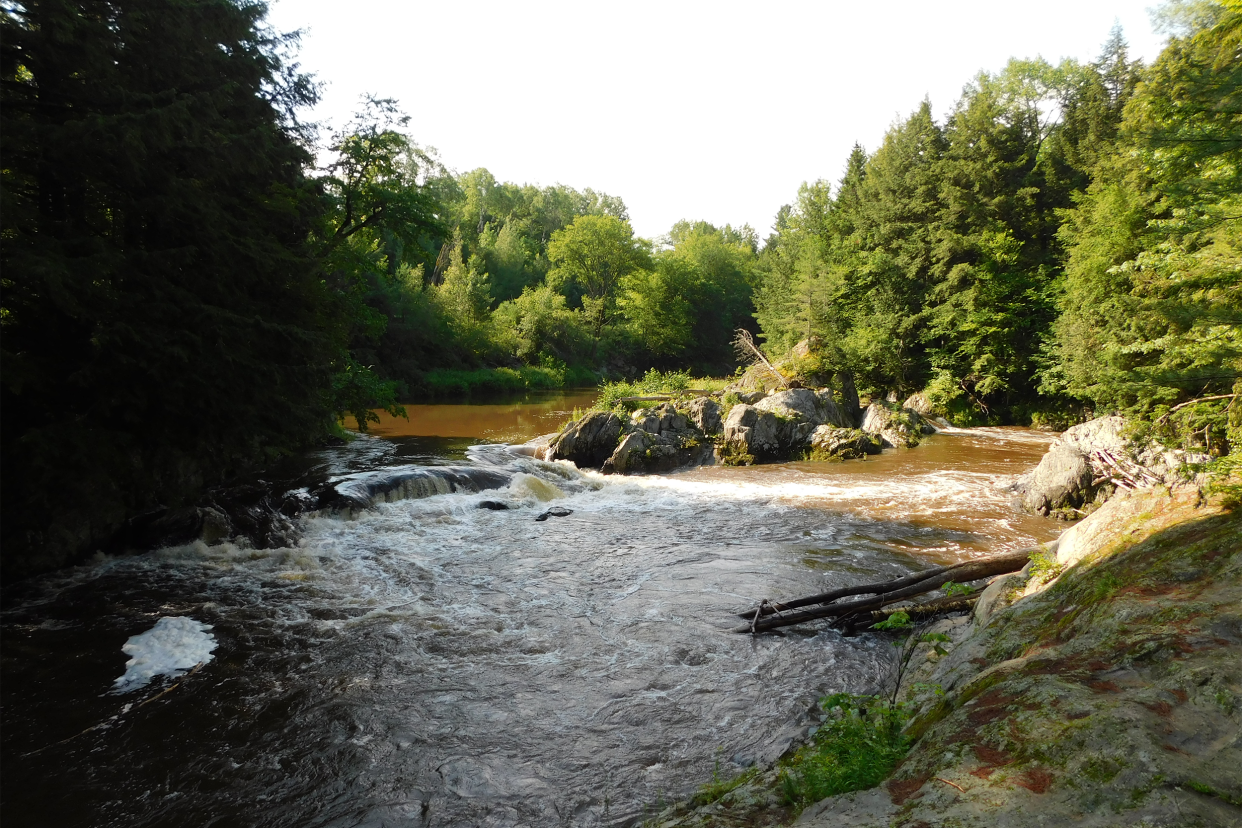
748 352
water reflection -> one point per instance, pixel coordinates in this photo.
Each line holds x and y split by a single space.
513 420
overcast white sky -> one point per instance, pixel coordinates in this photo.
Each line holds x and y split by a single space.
698 110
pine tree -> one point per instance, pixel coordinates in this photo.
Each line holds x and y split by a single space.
163 324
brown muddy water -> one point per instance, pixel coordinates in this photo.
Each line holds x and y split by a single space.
426 662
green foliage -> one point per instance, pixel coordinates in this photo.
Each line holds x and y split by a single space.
899 620
1152 305
165 323
856 749
653 383
448 382
954 590
356 390
1044 565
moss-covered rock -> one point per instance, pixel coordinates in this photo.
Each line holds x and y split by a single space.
1111 694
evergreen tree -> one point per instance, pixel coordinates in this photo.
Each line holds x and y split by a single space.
164 324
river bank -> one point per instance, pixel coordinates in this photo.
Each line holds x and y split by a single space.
1101 688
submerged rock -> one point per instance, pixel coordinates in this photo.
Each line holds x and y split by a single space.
555 511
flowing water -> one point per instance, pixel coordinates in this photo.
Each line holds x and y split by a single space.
425 661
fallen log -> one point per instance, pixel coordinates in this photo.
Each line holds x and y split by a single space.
917 612
884 594
941 574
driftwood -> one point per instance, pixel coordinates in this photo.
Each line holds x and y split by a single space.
769 615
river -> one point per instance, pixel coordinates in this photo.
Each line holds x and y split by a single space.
429 662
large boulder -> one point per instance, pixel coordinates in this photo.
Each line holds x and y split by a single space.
780 425
704 412
751 433
1060 484
806 407
660 439
1063 483
588 442
844 443
898 428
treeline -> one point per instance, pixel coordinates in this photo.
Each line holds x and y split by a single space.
547 281
1066 241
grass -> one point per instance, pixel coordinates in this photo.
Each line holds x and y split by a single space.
720 786
449 382
857 748
653 383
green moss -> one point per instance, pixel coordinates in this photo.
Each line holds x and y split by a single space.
1102 768
731 455
1208 790
721 786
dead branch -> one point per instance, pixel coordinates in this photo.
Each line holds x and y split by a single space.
1192 402
885 594
939 574
747 351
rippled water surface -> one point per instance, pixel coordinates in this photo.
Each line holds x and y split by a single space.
429 662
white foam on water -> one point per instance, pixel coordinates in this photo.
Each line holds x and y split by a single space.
172 646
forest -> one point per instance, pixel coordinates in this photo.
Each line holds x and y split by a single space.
196 281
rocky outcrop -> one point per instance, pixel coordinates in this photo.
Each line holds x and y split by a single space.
588 442
1086 465
779 425
662 439
843 443
704 412
897 428
1081 701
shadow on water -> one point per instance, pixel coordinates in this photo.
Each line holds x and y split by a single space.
428 662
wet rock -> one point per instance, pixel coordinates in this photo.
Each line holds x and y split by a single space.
588 442
555 511
493 505
845 443
1062 485
704 412
898 428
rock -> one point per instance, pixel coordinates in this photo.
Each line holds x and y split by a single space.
588 442
493 505
902 428
815 408
918 402
750 431
555 511
704 412
746 395
1091 675
807 347
921 404
845 443
780 425
1060 483
629 452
